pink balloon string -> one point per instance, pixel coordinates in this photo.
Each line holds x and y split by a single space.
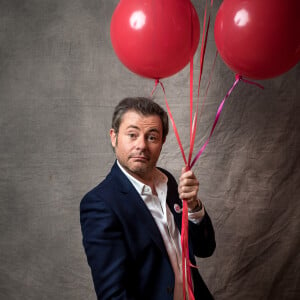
248 81
238 78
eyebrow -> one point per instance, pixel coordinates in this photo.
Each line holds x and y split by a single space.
132 126
136 127
154 130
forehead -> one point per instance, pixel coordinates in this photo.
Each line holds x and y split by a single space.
133 118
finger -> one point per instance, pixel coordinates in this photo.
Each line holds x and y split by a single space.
187 175
188 182
188 188
191 196
188 194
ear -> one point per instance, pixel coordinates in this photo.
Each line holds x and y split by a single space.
113 137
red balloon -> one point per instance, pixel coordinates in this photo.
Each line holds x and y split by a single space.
259 39
155 38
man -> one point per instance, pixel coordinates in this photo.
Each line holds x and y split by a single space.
131 221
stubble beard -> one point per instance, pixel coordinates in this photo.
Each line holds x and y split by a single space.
143 170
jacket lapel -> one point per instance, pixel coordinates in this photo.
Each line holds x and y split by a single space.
136 207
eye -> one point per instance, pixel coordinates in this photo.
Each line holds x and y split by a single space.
132 135
152 138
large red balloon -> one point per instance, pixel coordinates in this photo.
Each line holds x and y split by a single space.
155 38
259 39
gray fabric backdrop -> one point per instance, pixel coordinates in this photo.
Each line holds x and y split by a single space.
59 82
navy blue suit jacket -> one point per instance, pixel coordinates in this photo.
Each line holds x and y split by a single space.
124 247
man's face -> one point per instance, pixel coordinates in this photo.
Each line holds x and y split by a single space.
138 144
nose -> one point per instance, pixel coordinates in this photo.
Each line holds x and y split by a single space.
141 143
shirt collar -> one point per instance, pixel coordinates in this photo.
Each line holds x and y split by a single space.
142 189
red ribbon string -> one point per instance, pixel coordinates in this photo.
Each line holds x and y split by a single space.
191 73
186 271
207 87
155 86
197 116
191 98
171 118
202 55
184 231
186 264
203 46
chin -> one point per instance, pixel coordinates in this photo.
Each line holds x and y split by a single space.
140 169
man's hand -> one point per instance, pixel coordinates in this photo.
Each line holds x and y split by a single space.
188 188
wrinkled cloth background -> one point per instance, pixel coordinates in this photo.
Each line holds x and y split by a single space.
59 83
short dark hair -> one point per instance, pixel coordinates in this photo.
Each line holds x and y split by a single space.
142 105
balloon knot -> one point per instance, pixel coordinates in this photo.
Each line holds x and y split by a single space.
238 77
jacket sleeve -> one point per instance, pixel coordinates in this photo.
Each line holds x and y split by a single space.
105 248
202 237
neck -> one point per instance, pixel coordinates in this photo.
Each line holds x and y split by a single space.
144 177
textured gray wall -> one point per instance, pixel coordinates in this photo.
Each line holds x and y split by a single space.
59 82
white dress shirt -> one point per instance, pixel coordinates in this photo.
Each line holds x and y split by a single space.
157 205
